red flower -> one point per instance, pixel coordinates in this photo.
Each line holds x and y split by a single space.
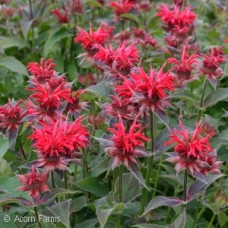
76 6
192 151
76 105
34 182
125 146
184 67
123 6
120 60
11 116
61 15
86 80
42 71
46 102
87 40
211 64
176 19
57 142
148 91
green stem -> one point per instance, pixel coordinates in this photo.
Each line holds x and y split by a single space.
75 172
150 162
185 185
157 177
120 184
196 214
212 220
31 15
37 218
65 180
202 99
22 149
52 179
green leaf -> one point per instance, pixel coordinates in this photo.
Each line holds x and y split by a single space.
91 184
104 211
100 90
216 96
180 220
93 3
25 26
130 187
160 201
78 203
130 16
4 168
147 225
8 42
54 39
62 210
4 146
89 223
13 64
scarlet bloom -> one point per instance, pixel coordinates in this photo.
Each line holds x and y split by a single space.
61 15
183 68
126 145
11 116
58 142
87 40
76 6
121 60
43 70
121 7
148 91
46 102
34 182
211 64
192 151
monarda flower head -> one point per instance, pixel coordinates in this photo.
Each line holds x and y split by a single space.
61 15
56 143
211 62
119 61
11 117
88 40
34 182
121 7
183 68
148 91
125 146
193 151
42 71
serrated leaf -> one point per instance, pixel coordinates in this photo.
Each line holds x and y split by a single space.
130 16
55 38
160 201
147 225
4 146
100 90
216 96
13 64
91 184
8 42
180 220
62 210
78 203
103 212
93 3
134 170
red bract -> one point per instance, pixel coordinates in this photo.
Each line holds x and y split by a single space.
87 40
121 7
45 101
42 71
176 17
120 60
183 68
193 151
57 142
11 116
211 64
148 91
127 145
76 6
61 15
34 182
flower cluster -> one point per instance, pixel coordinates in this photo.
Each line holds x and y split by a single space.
193 151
